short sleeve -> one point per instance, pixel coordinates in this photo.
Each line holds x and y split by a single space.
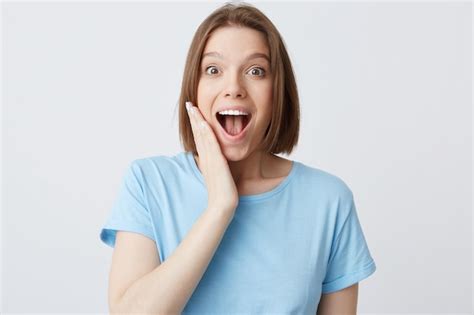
129 212
350 260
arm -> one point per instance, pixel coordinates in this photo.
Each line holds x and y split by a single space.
167 287
342 302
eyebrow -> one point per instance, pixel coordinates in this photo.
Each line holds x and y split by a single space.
249 57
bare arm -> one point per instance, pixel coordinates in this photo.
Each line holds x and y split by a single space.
342 302
168 287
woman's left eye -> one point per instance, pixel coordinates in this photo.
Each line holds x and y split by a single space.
261 70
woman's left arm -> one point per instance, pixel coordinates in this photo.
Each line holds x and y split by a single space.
342 302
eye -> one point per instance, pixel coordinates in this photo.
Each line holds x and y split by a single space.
210 67
262 71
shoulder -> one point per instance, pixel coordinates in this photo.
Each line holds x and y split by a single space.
158 166
157 162
331 184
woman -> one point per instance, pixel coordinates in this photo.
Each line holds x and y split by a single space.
227 226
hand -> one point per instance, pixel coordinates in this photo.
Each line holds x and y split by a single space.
221 189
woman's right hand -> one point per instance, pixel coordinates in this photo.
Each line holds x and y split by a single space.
221 189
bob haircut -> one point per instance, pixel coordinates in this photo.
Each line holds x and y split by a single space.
283 131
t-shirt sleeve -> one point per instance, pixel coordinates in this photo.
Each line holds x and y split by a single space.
350 260
129 212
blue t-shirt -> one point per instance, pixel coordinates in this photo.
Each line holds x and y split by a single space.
281 251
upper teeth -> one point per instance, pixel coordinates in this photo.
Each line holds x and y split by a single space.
232 112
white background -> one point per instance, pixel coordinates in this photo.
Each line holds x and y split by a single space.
385 91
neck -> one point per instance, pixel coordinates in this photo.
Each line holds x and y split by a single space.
254 167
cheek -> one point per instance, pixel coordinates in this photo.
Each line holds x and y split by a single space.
265 118
204 94
206 86
261 92
205 97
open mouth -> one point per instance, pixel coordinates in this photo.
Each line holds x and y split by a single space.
233 125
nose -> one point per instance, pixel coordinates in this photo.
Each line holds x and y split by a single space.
235 88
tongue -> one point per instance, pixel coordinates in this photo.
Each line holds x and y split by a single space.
233 124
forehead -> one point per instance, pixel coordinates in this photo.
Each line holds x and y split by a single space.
236 41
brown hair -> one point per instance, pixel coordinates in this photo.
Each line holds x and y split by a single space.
282 133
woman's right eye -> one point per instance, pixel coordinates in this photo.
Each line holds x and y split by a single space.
210 67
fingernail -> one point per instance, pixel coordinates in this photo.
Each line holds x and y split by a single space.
202 124
190 108
188 105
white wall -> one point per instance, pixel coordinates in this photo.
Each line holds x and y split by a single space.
385 92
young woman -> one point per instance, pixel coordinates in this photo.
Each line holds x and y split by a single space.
227 226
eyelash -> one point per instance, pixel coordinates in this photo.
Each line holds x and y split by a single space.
263 70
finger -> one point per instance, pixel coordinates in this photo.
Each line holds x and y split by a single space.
194 127
196 113
204 131
207 133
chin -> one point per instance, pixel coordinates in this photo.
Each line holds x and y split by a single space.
234 154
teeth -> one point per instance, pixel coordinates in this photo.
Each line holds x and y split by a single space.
232 112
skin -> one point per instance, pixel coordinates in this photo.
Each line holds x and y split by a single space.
233 80
342 302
